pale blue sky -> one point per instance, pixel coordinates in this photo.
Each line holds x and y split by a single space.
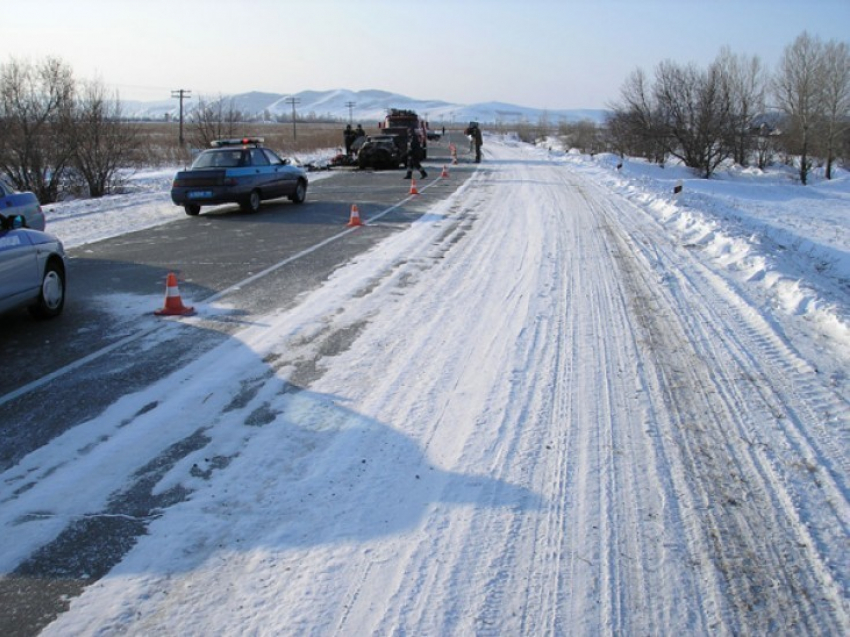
540 53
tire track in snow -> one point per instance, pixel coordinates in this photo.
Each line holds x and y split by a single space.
753 531
588 559
490 554
555 399
434 415
611 543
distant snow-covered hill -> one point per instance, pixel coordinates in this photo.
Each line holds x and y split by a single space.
368 106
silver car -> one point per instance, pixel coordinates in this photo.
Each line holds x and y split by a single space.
33 269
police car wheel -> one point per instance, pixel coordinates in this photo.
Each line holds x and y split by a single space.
300 193
252 204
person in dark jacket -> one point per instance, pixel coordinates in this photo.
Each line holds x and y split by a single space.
474 133
348 136
414 156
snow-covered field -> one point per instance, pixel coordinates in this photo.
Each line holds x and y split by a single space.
570 403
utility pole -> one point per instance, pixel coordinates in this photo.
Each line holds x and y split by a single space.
350 105
181 94
293 101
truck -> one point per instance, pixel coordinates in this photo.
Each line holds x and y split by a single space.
389 149
400 122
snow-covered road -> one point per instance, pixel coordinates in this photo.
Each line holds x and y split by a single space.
544 415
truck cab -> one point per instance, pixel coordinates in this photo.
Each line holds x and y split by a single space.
400 122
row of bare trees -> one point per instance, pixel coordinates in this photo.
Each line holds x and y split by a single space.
58 134
61 136
705 116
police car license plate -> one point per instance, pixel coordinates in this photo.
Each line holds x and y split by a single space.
199 194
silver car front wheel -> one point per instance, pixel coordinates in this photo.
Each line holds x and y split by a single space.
51 297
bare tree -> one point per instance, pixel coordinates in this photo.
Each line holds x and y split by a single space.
835 93
764 144
104 144
696 114
213 120
744 81
635 126
36 141
525 131
584 135
797 87
544 127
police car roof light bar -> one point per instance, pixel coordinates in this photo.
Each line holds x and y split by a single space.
243 141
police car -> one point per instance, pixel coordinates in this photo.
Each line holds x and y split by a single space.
25 204
238 171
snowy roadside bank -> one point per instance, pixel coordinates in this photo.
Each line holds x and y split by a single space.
786 246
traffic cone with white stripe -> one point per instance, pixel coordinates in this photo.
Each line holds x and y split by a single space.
445 173
354 219
173 303
413 190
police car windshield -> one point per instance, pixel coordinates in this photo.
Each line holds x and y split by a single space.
220 159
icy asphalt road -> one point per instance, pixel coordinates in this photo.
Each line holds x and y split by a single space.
531 413
232 267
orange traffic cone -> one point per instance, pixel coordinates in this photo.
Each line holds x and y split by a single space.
354 219
413 190
173 304
445 173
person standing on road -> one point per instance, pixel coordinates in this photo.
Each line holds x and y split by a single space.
359 137
348 136
474 133
414 156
